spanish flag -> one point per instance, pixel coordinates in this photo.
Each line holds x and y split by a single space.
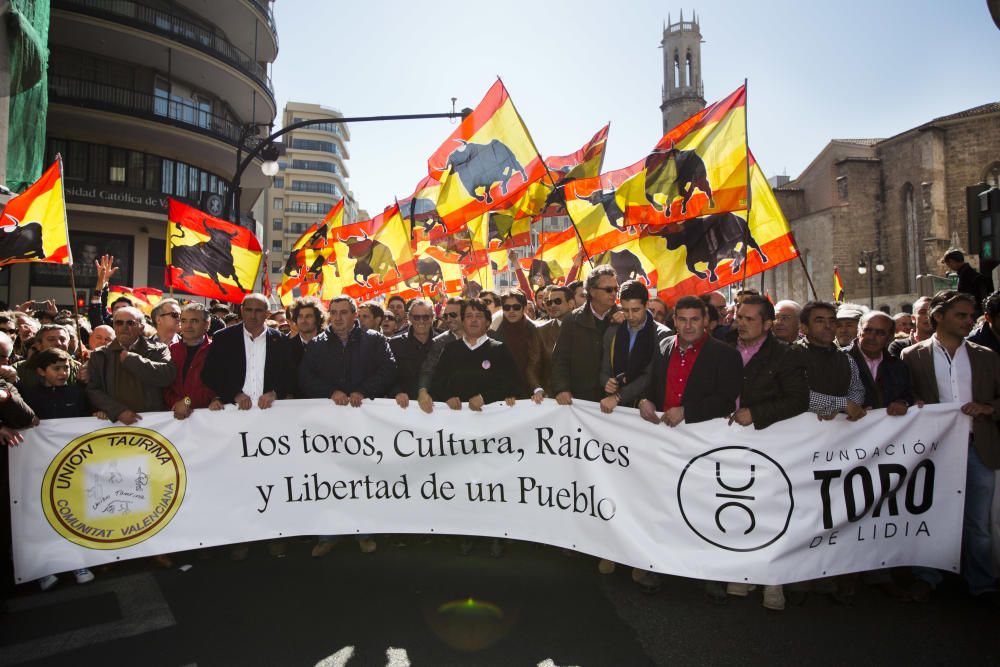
698 168
838 286
373 256
143 298
705 253
483 165
439 263
208 256
33 224
554 262
308 255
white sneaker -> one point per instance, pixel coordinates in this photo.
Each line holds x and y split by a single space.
774 598
83 575
47 582
739 590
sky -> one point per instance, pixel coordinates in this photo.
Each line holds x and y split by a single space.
816 71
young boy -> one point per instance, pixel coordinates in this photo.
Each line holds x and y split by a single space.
55 398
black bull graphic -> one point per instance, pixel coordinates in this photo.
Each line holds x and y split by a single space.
675 171
483 165
711 240
213 257
371 257
21 241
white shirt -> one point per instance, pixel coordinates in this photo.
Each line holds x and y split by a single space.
256 351
476 343
953 374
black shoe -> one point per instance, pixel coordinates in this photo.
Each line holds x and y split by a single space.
796 598
465 548
716 592
496 548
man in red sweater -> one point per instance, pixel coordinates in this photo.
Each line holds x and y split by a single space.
187 391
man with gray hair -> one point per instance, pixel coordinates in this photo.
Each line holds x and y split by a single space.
922 329
127 376
247 363
787 325
886 378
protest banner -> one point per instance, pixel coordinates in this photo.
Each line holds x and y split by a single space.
799 500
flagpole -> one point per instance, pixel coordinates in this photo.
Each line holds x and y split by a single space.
69 250
798 253
746 145
552 180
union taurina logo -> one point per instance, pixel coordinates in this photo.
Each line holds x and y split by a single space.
114 487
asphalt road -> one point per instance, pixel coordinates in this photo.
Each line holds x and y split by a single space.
424 604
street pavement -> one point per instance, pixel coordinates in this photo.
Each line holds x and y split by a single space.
417 601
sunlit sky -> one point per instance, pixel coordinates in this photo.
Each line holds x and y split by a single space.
816 71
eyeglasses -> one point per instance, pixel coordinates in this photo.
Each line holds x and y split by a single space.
512 306
390 318
176 316
9 332
453 316
609 290
554 302
125 323
420 318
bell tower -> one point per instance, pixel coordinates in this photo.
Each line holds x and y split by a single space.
683 92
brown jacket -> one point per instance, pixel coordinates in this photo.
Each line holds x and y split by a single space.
147 361
985 364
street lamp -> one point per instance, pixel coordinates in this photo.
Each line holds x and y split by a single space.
870 263
269 150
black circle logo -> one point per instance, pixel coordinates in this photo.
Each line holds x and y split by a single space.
736 498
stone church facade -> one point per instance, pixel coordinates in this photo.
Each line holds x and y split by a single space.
903 199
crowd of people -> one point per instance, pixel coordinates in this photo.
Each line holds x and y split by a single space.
751 362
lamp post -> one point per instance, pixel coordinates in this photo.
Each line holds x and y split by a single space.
270 150
870 263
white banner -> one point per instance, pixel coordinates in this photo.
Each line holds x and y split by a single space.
799 500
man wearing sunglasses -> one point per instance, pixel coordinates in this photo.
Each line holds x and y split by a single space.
167 320
576 361
128 375
410 350
451 315
559 303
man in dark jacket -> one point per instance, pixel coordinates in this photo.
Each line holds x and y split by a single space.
833 377
628 349
576 361
970 281
774 386
410 350
886 378
128 375
248 363
988 333
695 377
345 363
452 317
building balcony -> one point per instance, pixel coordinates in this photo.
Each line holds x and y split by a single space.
76 92
249 24
179 30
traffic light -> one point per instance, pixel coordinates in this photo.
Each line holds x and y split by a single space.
81 300
983 204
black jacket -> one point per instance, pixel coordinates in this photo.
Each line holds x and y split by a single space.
410 355
57 402
892 383
226 365
774 385
714 383
576 360
365 364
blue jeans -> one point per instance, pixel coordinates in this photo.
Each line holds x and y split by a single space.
977 546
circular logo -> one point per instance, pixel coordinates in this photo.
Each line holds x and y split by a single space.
735 498
486 364
114 487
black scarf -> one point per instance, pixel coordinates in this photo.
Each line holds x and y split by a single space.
632 363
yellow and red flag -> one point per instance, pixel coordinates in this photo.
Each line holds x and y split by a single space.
208 256
703 254
698 168
558 253
584 163
483 165
33 224
838 286
308 255
143 298
439 262
373 256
